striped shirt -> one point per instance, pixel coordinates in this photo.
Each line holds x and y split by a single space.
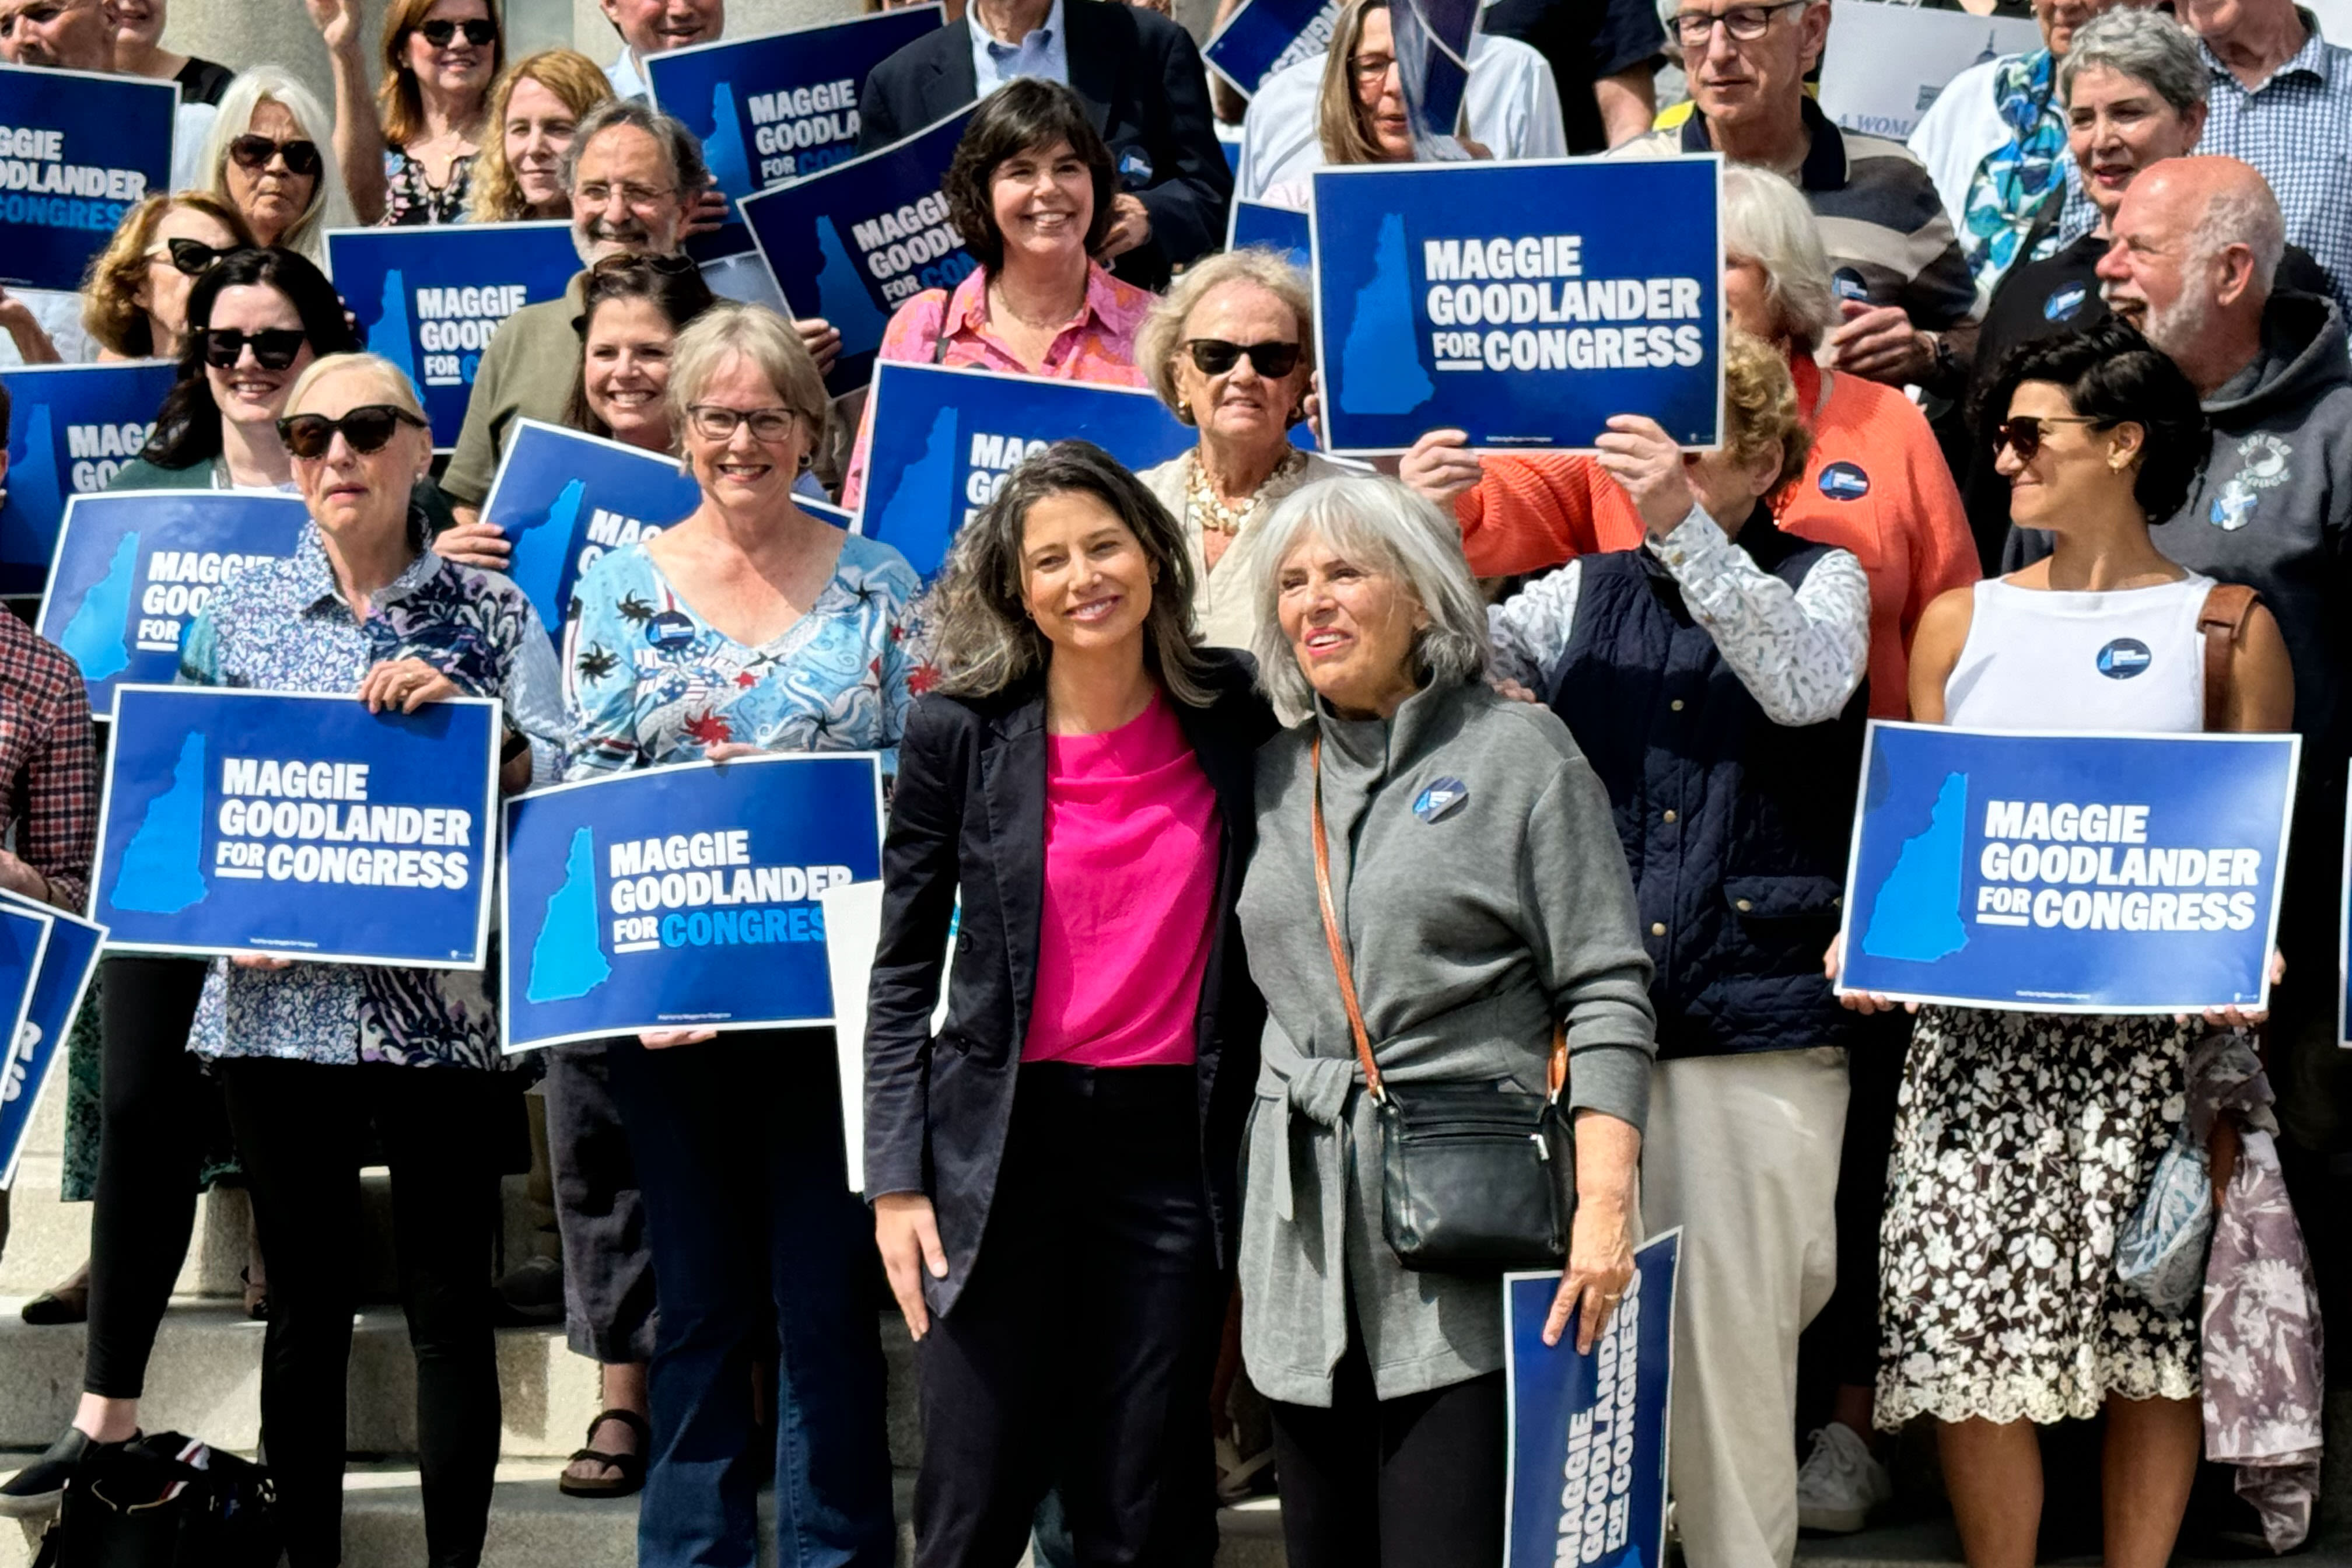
2295 129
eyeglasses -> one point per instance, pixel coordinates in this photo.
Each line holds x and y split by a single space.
253 154
1746 24
2023 434
1370 70
366 428
1214 356
639 197
769 425
192 257
274 348
480 31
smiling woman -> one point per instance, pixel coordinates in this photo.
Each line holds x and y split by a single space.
438 59
534 112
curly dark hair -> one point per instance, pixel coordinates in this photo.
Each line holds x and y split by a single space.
1029 114
2111 376
188 425
678 291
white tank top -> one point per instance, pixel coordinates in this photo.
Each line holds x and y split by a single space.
2127 660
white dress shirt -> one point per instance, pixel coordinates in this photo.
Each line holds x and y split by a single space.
1046 52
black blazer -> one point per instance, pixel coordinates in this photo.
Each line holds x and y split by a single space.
969 812
1146 91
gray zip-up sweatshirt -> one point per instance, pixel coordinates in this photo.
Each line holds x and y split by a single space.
1483 893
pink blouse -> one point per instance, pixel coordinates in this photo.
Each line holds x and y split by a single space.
1133 838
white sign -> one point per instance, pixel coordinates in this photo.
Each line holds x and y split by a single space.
1884 63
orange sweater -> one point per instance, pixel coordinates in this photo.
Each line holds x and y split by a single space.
1891 501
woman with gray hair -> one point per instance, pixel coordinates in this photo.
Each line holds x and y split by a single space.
1053 1175
1476 914
1230 349
264 159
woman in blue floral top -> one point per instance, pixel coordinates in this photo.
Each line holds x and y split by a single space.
749 626
312 1055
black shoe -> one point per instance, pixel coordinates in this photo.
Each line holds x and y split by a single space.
37 1489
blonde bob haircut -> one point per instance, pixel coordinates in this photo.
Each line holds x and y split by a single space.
111 312
1161 337
1760 406
398 100
494 194
391 380
1346 137
729 328
1380 525
330 207
1768 221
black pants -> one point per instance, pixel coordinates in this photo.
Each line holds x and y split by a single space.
298 1129
1080 1351
1413 1482
608 1263
148 1149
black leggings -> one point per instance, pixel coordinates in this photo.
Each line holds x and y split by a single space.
300 1127
148 1149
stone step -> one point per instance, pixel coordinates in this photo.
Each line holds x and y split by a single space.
1933 1543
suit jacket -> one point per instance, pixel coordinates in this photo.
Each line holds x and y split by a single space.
969 815
1144 88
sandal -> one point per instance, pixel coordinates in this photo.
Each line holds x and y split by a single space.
631 1465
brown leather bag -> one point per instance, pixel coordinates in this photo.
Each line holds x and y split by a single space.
2224 621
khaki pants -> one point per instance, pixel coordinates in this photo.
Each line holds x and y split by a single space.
1742 1152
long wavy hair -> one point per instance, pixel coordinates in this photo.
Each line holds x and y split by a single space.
188 425
399 100
493 196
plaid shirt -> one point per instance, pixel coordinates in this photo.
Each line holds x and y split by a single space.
2296 130
50 762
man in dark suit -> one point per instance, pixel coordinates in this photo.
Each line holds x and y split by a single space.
1141 80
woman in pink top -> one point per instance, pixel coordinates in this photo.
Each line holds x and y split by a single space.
1082 781
1030 191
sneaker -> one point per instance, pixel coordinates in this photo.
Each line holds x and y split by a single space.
37 1489
1840 1482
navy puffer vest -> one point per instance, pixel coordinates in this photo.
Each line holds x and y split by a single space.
1735 829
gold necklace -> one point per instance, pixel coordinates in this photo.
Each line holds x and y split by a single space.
1217 515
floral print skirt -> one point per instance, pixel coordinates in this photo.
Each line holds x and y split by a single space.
2022 1144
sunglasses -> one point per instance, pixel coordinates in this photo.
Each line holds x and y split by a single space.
366 428
192 257
274 348
253 154
480 31
1214 356
2022 435
637 261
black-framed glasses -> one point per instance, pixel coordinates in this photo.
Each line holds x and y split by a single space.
769 425
2021 434
1746 24
253 154
1214 356
480 31
192 257
366 428
274 348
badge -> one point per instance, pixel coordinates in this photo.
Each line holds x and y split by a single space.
670 629
2063 305
1135 168
1849 286
1844 481
2233 508
2123 658
1441 800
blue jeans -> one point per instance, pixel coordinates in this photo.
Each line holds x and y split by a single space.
755 1233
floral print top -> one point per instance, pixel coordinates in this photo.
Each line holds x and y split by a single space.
283 625
410 200
650 682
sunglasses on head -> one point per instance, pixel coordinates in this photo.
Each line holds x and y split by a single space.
366 428
253 153
480 31
2023 434
193 257
274 348
1214 356
640 261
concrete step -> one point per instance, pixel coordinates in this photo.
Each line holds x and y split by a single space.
1933 1543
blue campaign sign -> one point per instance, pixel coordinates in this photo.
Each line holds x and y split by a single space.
564 498
944 440
1284 229
81 149
2052 873
1263 36
778 107
428 299
685 895
1523 303
854 242
1432 38
298 824
1587 1468
70 430
135 568
68 957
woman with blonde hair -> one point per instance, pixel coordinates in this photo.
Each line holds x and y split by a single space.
411 165
534 109
263 158
134 303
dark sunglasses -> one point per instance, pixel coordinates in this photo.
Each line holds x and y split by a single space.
2022 435
274 348
637 261
366 427
1214 356
480 31
253 154
193 257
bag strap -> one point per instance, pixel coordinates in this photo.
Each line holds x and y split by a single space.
2222 620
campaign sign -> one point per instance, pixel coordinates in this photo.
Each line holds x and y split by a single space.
70 430
298 824
1888 62
428 299
778 107
944 440
2057 873
854 242
1262 37
68 957
681 895
1432 38
78 150
1282 229
1586 1474
135 568
1523 303
563 498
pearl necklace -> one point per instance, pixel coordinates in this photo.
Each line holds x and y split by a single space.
1213 514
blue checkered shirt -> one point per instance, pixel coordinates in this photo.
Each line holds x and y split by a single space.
2296 130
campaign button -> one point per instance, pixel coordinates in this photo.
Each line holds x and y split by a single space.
670 629
1844 481
1441 800
2064 303
2123 658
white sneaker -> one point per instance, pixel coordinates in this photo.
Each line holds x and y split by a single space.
1840 1482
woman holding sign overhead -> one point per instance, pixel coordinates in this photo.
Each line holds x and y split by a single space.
2000 1306
749 626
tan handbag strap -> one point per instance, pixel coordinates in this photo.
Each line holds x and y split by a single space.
2222 620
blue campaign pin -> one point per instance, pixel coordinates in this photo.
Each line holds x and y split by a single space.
1441 800
1849 285
2123 658
2062 304
1135 168
1844 481
670 629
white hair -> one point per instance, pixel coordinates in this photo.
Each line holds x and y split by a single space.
2247 216
1769 221
330 207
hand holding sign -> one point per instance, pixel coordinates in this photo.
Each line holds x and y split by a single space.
1643 458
